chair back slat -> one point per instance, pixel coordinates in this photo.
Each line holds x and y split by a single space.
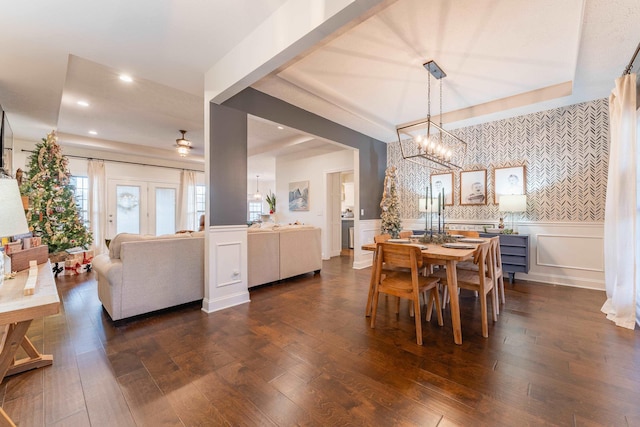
482 258
398 255
380 238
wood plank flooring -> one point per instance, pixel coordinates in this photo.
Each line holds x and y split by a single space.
302 353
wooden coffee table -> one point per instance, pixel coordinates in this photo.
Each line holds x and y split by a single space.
16 313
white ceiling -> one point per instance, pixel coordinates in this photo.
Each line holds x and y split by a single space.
496 53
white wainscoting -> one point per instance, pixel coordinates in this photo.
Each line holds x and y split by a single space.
366 230
560 253
226 269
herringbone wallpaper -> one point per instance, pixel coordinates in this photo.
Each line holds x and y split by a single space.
565 152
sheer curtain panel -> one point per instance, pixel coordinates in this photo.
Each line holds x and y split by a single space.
187 202
97 204
621 252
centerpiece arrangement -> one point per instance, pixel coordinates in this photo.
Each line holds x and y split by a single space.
430 235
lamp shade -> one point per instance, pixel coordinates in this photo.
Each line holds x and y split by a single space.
424 207
12 219
513 203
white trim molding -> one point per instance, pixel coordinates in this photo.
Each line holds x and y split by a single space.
226 272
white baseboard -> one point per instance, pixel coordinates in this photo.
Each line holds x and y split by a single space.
571 281
227 301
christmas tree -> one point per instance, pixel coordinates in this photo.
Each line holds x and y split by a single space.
391 223
53 213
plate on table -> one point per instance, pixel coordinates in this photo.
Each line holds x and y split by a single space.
399 241
458 246
471 240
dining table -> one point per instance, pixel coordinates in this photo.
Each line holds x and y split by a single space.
436 254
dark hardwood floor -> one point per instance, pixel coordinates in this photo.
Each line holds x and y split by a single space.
302 353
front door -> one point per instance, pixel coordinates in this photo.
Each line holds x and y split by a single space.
141 207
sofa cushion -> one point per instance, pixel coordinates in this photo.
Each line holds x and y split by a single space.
116 242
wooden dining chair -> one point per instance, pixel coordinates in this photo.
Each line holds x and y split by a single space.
480 281
405 234
380 238
497 273
398 273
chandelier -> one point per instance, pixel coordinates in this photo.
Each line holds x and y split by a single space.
183 145
428 143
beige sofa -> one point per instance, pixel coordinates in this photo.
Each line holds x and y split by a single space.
281 252
141 274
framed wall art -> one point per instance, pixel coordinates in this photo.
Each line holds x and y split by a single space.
443 181
299 196
510 180
473 187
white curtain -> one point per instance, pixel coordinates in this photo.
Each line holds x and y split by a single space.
621 248
96 200
187 202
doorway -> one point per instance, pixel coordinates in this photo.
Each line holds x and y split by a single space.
340 213
141 207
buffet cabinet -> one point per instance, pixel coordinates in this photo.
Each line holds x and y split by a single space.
514 250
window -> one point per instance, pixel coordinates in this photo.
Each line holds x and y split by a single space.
200 202
254 209
81 194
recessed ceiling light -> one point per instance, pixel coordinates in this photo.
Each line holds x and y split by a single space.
83 103
93 132
280 127
126 78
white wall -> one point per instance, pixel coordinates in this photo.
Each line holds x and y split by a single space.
311 169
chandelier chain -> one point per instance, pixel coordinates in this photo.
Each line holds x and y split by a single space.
440 102
429 97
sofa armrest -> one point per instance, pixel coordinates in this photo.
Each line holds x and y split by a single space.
109 272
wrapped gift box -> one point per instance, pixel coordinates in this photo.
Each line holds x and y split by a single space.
77 261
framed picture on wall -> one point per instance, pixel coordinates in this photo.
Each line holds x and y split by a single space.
443 181
473 187
299 196
506 181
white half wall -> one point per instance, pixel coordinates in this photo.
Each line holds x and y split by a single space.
226 283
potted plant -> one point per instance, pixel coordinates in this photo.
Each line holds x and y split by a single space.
271 201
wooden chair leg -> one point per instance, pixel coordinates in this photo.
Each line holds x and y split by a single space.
436 299
494 304
429 300
501 280
374 309
483 308
418 319
496 296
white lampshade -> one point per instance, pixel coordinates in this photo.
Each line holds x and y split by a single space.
513 203
12 219
423 207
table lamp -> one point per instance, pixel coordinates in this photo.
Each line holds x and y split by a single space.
512 204
12 219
